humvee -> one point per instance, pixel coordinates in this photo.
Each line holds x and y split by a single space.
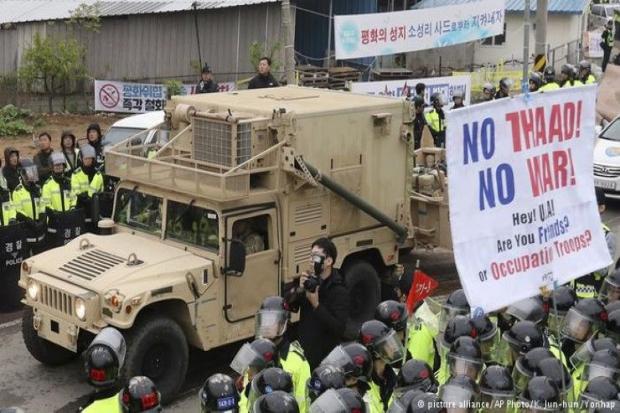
222 216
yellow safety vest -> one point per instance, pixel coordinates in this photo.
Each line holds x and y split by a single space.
25 205
610 39
8 213
590 79
374 399
420 343
55 199
434 122
549 86
297 366
575 84
80 183
587 290
109 405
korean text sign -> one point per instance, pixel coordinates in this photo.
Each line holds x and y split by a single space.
376 34
402 88
523 212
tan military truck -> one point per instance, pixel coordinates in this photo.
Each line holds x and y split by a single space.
222 216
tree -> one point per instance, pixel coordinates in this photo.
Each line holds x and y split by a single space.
258 50
87 16
54 65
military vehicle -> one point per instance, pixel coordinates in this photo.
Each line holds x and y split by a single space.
223 215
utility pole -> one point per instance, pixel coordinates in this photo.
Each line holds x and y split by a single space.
541 35
289 48
526 45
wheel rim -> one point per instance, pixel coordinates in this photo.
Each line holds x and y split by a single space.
156 362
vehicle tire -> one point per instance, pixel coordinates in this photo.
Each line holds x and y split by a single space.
157 348
365 294
44 351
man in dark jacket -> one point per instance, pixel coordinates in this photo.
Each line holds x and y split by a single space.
607 43
325 308
10 171
93 134
206 84
42 158
264 78
419 121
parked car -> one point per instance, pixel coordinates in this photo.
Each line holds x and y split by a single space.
607 159
600 14
133 126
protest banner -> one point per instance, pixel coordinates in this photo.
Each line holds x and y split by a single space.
592 44
112 96
523 212
402 88
377 34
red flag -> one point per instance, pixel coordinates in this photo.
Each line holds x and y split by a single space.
421 287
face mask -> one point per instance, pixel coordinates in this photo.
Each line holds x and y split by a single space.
318 264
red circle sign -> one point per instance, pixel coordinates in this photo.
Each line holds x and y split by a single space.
109 96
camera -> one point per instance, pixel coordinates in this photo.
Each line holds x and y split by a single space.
311 283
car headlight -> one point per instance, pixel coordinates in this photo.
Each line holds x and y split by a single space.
33 290
80 308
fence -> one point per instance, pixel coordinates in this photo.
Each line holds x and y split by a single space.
567 53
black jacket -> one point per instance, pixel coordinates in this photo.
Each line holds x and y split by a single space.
321 329
42 161
10 173
419 121
206 87
260 82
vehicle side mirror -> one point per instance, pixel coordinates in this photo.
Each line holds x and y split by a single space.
136 142
236 259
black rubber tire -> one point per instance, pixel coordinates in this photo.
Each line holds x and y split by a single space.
44 351
365 294
10 293
157 348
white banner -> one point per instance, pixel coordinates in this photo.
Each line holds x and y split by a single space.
376 34
402 88
592 43
112 96
523 212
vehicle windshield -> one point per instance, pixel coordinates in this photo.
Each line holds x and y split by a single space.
117 134
139 210
612 133
192 225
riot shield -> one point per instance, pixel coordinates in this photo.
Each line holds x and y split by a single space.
62 227
12 252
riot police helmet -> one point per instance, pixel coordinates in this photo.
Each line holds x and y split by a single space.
140 395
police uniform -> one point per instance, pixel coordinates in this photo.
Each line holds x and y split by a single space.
589 285
437 126
380 391
589 80
106 405
80 183
549 86
7 213
55 198
294 362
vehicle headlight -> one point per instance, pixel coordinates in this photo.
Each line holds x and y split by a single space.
80 309
33 290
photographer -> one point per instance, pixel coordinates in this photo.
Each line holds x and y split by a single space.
323 300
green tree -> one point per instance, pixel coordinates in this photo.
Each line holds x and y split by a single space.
258 50
87 16
52 65
174 87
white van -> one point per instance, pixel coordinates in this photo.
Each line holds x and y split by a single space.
133 126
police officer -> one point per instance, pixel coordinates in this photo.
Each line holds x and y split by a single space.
612 325
607 43
271 323
426 403
323 378
8 212
496 389
455 304
206 84
386 350
276 402
521 338
560 301
603 363
488 336
505 84
219 394
401 403
535 82
526 365
87 181
552 368
419 120
103 361
600 389
339 401
581 322
488 92
457 98
567 76
140 396
460 391
458 326
465 358
56 191
29 207
529 309
610 290
356 362
268 380
541 393
415 375
436 120
585 73
549 77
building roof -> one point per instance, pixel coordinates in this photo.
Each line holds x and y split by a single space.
20 11
555 6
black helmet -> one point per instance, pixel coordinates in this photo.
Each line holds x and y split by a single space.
506 82
459 390
436 99
339 401
526 365
563 298
276 402
541 390
219 393
456 304
496 381
549 74
524 336
258 355
613 325
415 375
426 403
553 368
584 64
537 79
400 402
465 357
323 378
269 380
611 307
458 326
487 335
584 353
530 309
140 395
274 303
581 320
610 290
353 358
105 357
603 363
600 389
272 318
567 69
393 314
382 342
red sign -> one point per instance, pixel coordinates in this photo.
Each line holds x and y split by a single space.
421 287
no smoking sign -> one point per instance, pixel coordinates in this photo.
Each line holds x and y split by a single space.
109 96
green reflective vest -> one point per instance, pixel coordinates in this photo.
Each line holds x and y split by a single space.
375 404
9 213
434 122
109 405
549 86
297 366
575 84
80 183
584 290
590 80
25 204
420 343
55 199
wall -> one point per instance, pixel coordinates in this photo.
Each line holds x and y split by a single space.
154 47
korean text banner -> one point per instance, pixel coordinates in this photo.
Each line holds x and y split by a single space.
111 96
523 213
402 88
376 34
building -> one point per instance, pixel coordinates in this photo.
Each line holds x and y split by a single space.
148 40
567 20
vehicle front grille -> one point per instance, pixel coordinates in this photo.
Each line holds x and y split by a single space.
91 264
213 142
57 300
606 171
